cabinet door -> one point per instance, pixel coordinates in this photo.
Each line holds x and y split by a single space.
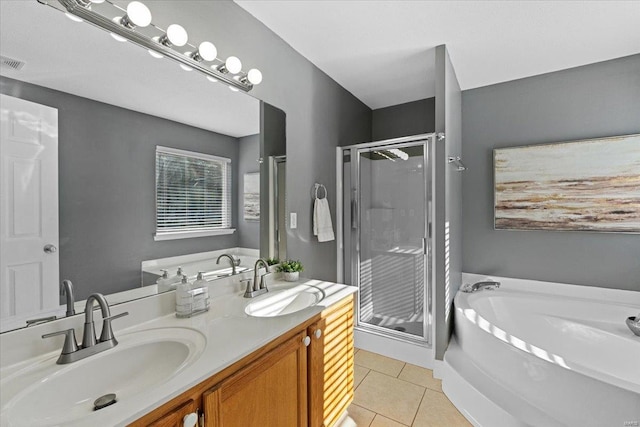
331 365
270 392
174 417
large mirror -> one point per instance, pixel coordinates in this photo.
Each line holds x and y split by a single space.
129 126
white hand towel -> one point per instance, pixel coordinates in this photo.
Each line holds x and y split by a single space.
322 226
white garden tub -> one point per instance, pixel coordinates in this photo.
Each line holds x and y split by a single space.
533 353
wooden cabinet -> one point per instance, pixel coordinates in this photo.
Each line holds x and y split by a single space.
330 372
174 417
272 391
303 378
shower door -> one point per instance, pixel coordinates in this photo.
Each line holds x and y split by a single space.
387 232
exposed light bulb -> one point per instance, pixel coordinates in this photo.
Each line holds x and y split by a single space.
74 18
176 35
186 67
155 54
138 15
207 51
254 76
233 65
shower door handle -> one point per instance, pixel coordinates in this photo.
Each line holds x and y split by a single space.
354 209
425 247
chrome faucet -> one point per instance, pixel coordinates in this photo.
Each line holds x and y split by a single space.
259 285
67 290
489 284
71 352
234 262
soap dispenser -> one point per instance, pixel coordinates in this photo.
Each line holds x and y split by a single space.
200 292
164 282
178 277
200 280
184 298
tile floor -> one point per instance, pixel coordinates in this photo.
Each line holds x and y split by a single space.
391 393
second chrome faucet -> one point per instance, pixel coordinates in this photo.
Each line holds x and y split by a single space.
259 285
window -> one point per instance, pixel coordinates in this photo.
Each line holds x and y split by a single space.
193 194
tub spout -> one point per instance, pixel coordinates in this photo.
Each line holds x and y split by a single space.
489 284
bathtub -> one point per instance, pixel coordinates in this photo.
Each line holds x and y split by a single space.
542 354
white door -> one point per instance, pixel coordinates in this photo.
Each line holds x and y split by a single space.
28 211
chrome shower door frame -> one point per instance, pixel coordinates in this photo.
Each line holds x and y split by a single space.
354 228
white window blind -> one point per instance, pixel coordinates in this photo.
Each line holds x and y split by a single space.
193 193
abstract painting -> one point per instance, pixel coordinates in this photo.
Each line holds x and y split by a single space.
590 185
252 196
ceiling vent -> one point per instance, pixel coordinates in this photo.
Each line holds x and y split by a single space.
11 63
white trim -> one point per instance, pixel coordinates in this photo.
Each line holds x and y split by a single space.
339 215
189 234
178 152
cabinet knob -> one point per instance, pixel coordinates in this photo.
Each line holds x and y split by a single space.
306 340
318 333
190 420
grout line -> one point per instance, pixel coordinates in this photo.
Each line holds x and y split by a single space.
361 381
401 369
419 405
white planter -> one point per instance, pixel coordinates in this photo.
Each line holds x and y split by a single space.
291 277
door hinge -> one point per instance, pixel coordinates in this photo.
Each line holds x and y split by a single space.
201 419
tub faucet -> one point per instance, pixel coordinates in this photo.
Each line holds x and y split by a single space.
67 290
489 284
234 262
71 352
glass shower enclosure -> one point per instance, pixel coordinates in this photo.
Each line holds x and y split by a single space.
386 245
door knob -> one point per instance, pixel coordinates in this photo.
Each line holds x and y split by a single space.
50 249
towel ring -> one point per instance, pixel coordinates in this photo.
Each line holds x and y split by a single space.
317 187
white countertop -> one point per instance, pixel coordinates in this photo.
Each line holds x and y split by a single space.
230 335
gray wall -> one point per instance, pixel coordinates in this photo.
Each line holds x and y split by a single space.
320 113
592 101
107 187
249 152
411 118
447 223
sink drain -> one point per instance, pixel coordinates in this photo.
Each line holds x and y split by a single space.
104 401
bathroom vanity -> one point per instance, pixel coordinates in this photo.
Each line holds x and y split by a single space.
304 377
288 363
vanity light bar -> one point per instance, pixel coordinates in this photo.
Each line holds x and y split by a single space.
84 11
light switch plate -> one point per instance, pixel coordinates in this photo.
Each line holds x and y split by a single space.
293 220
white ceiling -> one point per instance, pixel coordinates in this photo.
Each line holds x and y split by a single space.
85 61
382 51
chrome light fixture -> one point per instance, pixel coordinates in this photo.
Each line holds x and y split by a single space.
134 24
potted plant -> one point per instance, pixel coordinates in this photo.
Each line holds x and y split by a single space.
273 264
291 270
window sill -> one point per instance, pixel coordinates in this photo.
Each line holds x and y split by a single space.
192 234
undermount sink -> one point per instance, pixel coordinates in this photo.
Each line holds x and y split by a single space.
46 394
286 301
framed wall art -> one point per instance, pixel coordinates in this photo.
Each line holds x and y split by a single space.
589 185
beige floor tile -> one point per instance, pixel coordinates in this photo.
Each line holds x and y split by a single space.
436 411
358 417
421 376
379 363
358 375
389 396
380 421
